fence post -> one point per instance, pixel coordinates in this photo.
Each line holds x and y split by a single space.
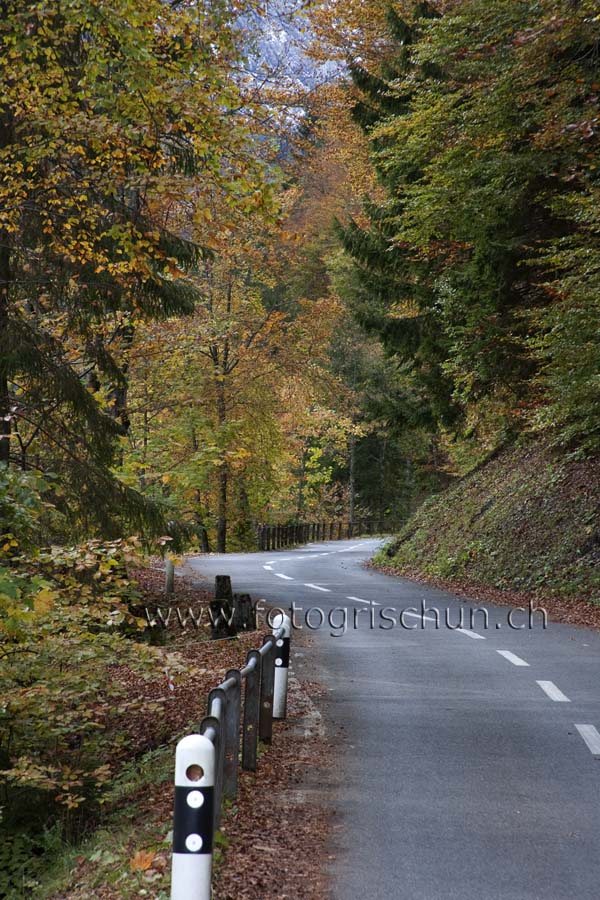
231 735
251 712
221 608
193 820
169 576
267 679
282 661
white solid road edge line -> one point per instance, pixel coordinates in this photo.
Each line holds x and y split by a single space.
471 634
287 577
316 587
591 736
512 657
553 692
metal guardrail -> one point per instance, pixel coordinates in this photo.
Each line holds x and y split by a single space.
207 763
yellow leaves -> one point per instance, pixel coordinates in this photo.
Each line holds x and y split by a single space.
44 600
204 214
70 801
142 860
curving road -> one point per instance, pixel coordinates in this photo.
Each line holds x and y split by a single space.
470 765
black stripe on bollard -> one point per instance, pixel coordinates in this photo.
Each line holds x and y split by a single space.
194 815
282 653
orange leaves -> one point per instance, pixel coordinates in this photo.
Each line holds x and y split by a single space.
142 860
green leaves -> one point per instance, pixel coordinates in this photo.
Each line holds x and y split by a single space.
490 228
64 614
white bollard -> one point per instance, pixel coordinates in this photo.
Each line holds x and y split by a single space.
193 823
282 661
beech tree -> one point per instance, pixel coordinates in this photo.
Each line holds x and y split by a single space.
118 125
211 393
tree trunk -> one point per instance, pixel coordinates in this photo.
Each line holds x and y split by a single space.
351 482
301 480
200 526
382 490
222 510
223 481
6 138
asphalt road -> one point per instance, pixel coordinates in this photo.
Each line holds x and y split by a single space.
470 764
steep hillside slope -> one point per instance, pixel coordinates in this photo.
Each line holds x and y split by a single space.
527 520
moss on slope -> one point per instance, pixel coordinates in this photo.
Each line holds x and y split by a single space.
528 519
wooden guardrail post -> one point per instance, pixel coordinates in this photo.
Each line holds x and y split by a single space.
251 712
231 734
169 576
267 681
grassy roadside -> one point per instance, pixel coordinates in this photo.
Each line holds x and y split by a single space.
127 853
525 524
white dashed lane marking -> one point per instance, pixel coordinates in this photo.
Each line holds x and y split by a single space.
286 577
471 634
553 692
317 587
360 600
512 657
415 615
591 736
268 568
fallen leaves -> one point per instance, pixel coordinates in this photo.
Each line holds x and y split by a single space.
141 861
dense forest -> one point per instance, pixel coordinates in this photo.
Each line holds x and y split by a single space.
231 300
247 278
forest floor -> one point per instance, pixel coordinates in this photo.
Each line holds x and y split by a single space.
525 526
127 855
